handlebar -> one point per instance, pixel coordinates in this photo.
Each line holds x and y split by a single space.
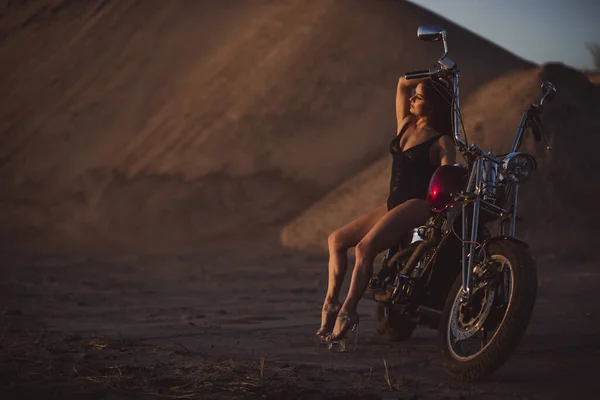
434 73
531 119
418 74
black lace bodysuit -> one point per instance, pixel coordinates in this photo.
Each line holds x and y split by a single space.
411 171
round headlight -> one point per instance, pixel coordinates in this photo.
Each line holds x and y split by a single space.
518 167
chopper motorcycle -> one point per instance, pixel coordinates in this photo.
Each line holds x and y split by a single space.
452 274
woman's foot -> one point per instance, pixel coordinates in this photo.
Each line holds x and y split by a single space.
328 316
345 322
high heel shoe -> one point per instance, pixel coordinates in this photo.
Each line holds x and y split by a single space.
328 316
339 342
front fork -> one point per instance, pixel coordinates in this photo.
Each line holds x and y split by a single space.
480 181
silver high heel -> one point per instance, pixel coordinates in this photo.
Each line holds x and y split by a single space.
331 313
340 342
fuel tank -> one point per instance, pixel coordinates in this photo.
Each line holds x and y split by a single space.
445 183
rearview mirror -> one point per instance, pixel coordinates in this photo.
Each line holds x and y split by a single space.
431 33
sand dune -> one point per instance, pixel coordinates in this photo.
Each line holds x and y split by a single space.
161 125
556 206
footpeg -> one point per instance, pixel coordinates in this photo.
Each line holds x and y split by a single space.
379 295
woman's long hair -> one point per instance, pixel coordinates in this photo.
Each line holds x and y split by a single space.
438 96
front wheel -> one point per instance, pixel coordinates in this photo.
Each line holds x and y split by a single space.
477 337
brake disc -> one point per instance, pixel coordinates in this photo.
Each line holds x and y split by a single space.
462 330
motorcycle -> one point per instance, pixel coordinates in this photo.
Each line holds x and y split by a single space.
451 274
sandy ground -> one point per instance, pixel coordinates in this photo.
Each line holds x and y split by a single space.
230 325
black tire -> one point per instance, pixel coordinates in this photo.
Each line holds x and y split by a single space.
391 325
514 324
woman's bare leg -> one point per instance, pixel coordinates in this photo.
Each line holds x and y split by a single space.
339 242
386 233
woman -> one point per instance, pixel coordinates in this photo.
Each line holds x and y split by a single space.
422 143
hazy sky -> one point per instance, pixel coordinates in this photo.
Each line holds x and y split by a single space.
536 30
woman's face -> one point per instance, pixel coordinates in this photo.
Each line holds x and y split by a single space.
418 103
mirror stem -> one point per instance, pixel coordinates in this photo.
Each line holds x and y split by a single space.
445 44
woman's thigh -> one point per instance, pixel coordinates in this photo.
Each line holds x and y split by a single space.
388 231
350 234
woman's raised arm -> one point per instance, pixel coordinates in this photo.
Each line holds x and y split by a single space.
403 94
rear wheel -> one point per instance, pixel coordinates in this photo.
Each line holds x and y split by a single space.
393 326
478 336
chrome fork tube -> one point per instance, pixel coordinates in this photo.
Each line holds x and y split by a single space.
467 262
465 276
513 220
474 232
465 231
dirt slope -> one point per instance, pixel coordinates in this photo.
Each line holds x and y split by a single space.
157 126
555 205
